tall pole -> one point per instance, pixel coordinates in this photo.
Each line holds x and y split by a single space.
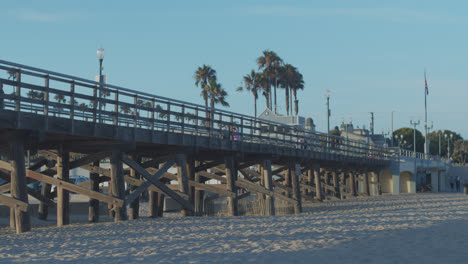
425 115
100 88
327 95
440 153
414 132
392 126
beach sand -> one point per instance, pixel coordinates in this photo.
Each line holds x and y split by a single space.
408 228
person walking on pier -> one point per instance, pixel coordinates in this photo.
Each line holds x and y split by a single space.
452 182
458 183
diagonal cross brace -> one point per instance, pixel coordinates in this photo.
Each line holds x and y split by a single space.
144 186
132 164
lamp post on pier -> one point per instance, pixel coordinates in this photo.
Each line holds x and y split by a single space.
327 95
100 55
448 137
414 123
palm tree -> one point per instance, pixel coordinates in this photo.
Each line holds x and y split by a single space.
298 84
217 95
202 76
126 110
83 107
263 83
252 84
60 98
270 62
288 73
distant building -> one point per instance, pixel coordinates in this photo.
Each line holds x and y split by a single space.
291 120
361 134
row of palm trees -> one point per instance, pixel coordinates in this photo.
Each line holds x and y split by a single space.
272 73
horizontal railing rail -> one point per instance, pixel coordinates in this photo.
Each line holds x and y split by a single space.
48 93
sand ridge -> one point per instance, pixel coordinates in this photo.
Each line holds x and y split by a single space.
416 228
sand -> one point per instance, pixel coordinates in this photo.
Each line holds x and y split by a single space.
415 228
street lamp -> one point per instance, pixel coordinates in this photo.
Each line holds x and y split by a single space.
440 149
100 55
327 95
448 137
399 139
414 132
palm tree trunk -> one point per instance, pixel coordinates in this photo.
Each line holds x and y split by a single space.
276 85
296 103
290 100
287 99
255 107
212 104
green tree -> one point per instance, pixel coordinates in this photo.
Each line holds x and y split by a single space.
408 139
460 151
270 63
252 84
287 80
434 141
202 76
298 84
60 98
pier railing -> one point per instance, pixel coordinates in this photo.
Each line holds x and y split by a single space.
48 94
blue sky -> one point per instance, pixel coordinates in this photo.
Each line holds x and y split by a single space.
370 55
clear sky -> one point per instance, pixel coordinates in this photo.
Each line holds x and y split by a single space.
370 55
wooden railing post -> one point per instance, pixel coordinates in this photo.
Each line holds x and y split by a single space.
183 121
168 117
196 121
95 104
46 103
116 108
152 114
18 97
72 106
135 110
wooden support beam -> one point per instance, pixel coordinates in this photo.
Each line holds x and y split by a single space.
259 189
134 206
73 188
353 184
155 177
336 183
63 196
89 159
318 185
159 184
14 203
212 176
279 170
118 183
296 192
231 177
22 221
93 208
208 165
43 210
198 195
268 180
366 182
182 178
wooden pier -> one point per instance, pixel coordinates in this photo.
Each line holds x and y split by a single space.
57 118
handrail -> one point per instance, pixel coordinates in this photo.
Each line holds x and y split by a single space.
162 113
